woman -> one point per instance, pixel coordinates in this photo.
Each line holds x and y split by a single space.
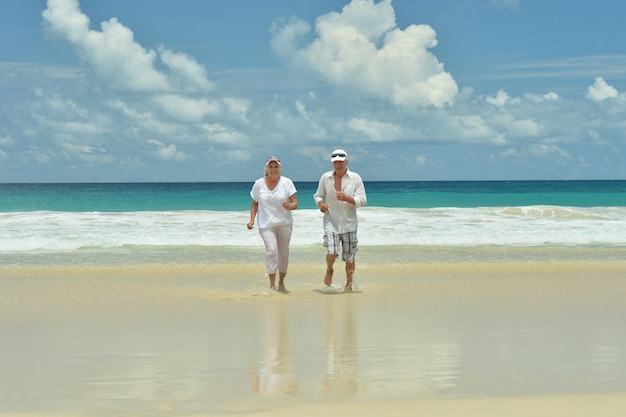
273 198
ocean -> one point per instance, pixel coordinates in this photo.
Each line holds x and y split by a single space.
116 298
410 220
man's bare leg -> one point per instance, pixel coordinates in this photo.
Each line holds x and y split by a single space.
350 266
330 261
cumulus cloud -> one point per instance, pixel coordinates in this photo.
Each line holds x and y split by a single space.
187 70
543 150
499 100
286 35
143 120
601 91
158 93
526 128
220 133
508 153
371 68
237 107
475 128
187 109
166 152
6 141
374 130
551 96
115 56
85 153
362 48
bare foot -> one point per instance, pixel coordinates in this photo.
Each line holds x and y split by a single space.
348 287
282 289
328 278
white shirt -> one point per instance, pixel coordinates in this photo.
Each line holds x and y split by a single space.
341 215
271 211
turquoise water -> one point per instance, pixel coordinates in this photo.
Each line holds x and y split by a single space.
129 197
46 223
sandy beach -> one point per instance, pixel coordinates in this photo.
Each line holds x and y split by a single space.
450 339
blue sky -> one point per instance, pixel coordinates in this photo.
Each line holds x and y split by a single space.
205 90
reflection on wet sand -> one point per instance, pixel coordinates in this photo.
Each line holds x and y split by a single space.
342 358
275 374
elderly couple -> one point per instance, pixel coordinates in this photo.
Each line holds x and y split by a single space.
339 193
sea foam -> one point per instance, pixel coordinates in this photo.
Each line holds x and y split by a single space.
378 226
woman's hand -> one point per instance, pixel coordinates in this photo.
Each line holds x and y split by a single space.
250 225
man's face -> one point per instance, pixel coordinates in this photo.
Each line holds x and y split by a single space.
339 165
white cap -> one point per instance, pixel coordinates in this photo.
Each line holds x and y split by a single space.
338 155
272 158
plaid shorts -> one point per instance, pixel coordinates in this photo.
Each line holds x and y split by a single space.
348 241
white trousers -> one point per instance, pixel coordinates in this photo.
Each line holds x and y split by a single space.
276 240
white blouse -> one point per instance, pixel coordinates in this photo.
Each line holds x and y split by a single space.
271 211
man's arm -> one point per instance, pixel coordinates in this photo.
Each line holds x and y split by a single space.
360 197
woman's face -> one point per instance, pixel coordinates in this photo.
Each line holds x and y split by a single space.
273 168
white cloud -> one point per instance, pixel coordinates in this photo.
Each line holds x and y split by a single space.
542 98
526 128
86 153
601 91
361 48
118 59
552 96
220 133
237 107
167 152
475 128
175 101
236 155
374 130
80 129
286 34
6 141
186 109
301 109
508 153
191 73
40 157
499 100
383 87
140 118
543 150
111 52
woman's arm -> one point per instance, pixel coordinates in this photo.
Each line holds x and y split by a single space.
254 208
292 204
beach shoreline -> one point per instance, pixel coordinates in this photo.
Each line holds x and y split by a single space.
484 338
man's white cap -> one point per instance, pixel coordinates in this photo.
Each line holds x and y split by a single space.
338 155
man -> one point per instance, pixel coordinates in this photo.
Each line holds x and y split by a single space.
339 193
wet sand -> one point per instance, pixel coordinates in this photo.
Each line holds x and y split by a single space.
463 338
